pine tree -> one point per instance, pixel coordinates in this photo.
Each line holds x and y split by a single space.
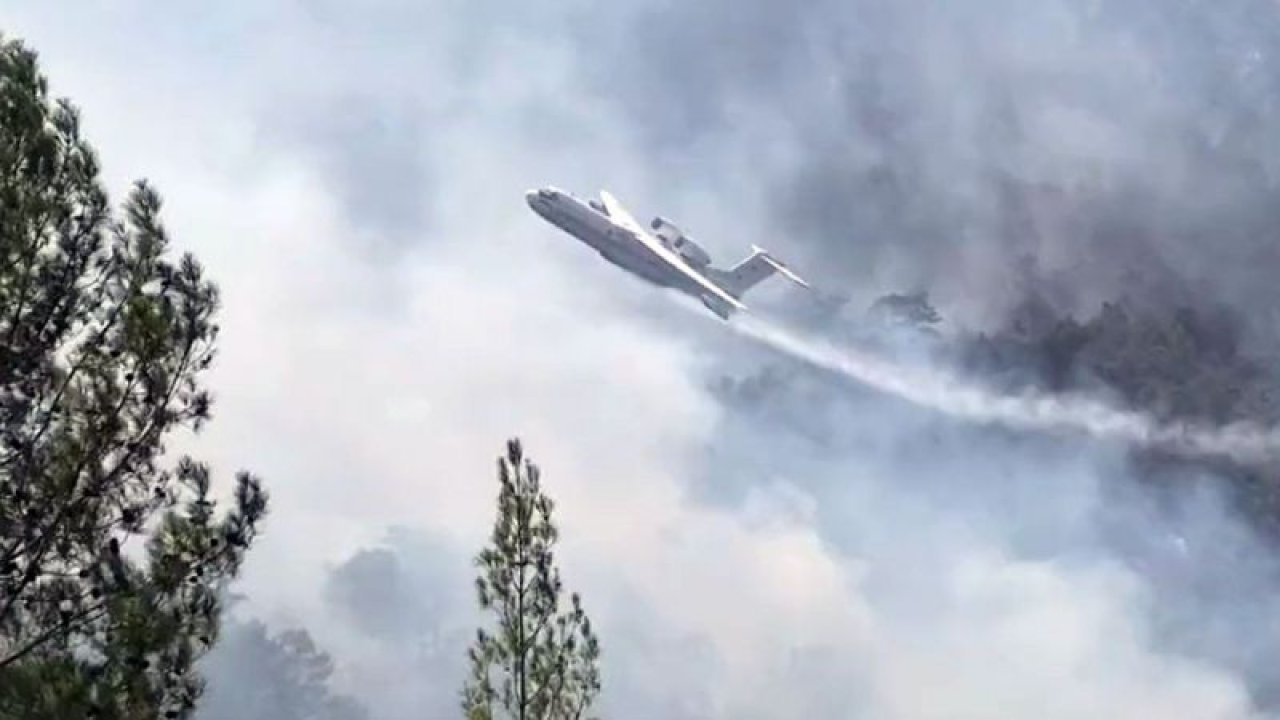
540 663
103 337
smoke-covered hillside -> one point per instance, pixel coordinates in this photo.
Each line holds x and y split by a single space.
1084 190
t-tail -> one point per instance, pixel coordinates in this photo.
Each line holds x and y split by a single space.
755 269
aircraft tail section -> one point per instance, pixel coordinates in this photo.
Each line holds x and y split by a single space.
756 268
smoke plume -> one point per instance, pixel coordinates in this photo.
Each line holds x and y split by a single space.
750 542
952 394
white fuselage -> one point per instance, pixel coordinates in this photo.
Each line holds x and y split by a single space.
616 243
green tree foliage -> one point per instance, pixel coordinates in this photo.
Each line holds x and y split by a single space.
112 557
256 675
541 661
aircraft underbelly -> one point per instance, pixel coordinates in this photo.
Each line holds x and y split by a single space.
619 251
625 251
642 263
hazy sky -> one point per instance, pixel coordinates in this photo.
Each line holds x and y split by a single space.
353 179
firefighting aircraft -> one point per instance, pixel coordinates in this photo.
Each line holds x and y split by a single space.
662 254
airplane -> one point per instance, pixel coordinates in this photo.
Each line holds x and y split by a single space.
662 254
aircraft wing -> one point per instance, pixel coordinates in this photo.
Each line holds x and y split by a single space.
624 218
620 214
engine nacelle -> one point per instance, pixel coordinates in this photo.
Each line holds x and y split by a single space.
674 238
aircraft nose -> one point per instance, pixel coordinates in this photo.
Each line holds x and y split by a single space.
540 198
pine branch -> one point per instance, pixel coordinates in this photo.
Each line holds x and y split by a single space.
104 340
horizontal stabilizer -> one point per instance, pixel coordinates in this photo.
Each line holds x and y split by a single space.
778 266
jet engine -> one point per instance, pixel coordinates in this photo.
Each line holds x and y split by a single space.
674 238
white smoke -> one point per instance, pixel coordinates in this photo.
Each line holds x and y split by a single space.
947 392
888 577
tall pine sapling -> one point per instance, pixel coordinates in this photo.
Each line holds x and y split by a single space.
103 337
540 662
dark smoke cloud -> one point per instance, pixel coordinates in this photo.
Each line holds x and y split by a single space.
1085 149
840 551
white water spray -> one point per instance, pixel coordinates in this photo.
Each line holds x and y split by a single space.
937 390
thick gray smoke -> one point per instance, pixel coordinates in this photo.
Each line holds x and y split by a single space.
983 148
792 546
937 389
